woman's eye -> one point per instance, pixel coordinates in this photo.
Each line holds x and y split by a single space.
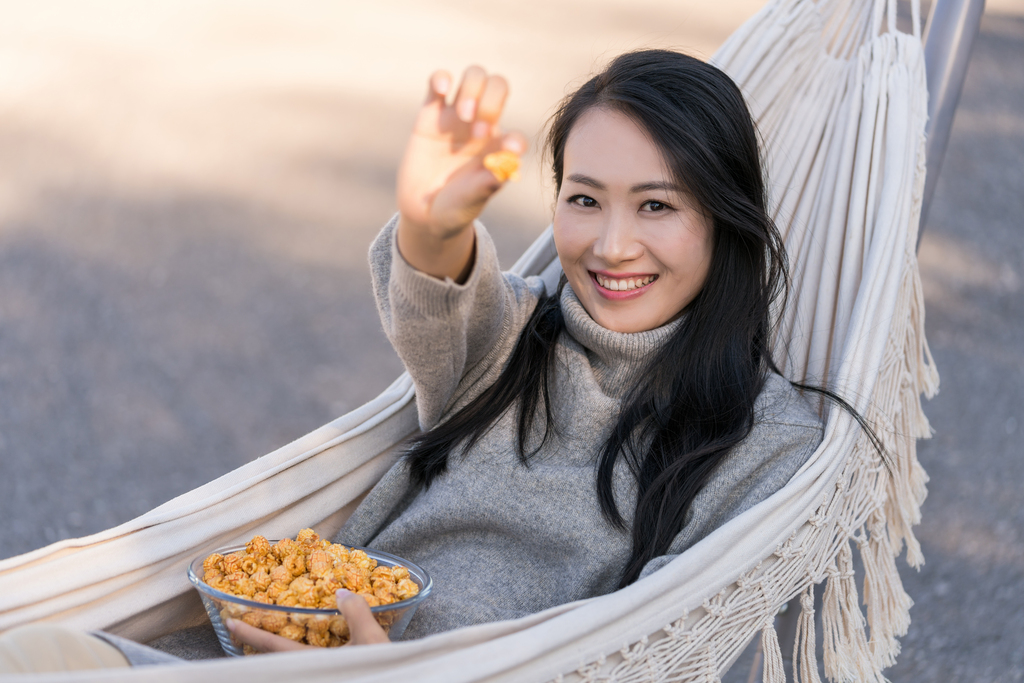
583 200
654 205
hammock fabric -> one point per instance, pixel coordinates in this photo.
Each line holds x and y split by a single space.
840 98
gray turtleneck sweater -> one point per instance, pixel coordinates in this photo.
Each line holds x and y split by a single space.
500 539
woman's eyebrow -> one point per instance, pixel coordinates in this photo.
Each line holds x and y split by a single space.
656 185
586 180
636 189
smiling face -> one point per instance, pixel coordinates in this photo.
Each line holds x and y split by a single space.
635 246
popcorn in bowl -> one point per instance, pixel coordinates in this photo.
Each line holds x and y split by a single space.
288 587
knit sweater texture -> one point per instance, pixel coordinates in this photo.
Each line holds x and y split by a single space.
502 539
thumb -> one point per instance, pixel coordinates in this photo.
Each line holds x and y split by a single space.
363 628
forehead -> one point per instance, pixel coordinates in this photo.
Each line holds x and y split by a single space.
607 145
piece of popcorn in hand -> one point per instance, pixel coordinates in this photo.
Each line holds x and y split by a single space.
504 165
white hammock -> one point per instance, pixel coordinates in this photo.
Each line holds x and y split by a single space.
840 99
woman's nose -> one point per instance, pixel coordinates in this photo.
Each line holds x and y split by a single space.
617 242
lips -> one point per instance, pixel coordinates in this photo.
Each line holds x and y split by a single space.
622 288
630 283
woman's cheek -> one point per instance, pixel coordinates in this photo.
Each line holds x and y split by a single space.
564 247
568 243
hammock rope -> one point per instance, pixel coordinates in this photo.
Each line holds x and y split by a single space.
840 99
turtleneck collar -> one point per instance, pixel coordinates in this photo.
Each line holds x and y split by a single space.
614 356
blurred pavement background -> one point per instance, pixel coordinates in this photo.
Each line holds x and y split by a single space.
188 190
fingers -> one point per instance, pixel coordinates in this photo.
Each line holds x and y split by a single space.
440 84
363 628
260 639
475 108
492 101
473 82
480 100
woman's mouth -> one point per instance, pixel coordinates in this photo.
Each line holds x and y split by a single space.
616 287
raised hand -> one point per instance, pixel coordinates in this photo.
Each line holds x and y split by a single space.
442 182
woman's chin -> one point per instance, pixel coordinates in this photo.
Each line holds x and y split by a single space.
623 322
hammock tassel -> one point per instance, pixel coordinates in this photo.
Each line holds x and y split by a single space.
805 659
919 355
888 604
847 655
907 481
773 671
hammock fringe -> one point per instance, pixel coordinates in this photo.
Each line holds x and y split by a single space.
773 671
847 655
805 658
887 603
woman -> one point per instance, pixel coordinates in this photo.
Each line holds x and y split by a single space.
577 440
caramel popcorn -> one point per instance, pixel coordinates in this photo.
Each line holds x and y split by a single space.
504 165
304 573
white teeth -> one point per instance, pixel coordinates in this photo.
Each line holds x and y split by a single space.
624 285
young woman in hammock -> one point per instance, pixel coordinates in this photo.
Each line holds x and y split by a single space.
576 440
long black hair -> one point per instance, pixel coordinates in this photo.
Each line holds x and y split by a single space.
694 401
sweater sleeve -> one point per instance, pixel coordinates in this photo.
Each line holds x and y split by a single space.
453 339
786 433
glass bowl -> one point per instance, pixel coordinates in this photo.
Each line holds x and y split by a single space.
221 606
